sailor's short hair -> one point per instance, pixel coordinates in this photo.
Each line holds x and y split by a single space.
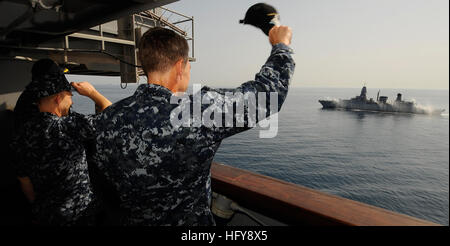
161 48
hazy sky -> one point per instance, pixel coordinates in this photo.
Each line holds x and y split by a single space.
337 43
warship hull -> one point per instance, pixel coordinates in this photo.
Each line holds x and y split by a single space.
380 105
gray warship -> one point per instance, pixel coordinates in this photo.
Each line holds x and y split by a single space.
381 104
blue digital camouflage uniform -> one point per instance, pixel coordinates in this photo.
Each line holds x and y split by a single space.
50 151
162 173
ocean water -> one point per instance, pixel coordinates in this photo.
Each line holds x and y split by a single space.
394 161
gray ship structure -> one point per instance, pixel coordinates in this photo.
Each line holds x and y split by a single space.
381 104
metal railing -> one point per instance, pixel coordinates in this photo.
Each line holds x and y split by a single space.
158 16
297 205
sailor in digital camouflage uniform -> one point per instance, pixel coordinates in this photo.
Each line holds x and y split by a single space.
27 103
50 150
161 172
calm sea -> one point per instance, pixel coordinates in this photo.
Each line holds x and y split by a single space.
398 162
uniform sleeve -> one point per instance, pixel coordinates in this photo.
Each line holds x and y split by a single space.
239 108
79 125
20 156
25 109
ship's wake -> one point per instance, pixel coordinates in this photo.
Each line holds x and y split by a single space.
429 109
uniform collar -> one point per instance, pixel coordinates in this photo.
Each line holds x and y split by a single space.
47 115
153 89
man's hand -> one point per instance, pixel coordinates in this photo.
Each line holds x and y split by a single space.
84 88
280 34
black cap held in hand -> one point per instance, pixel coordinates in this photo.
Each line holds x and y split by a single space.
262 16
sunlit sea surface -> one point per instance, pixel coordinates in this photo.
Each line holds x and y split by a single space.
398 162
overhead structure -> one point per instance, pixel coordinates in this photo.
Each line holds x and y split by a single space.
84 36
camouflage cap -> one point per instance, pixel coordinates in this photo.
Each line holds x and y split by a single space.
47 79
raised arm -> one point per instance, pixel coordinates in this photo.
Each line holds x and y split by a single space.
273 78
86 89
